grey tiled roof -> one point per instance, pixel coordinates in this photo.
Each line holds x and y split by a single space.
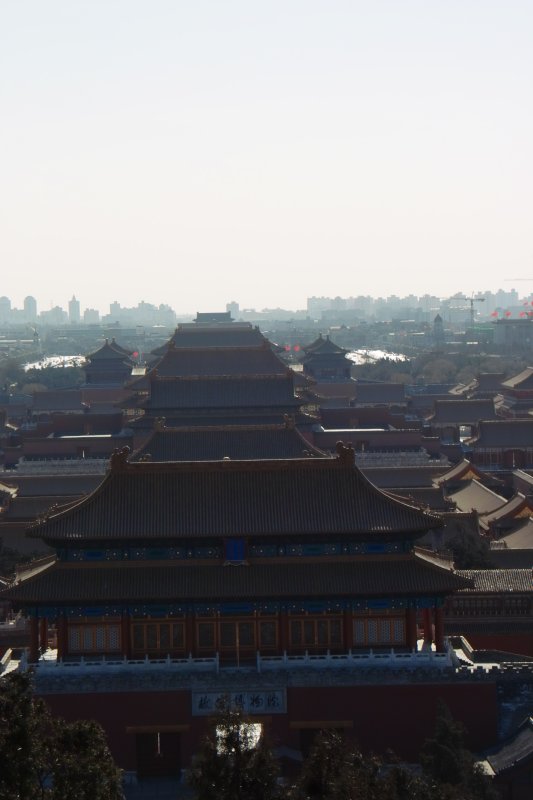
425 497
111 351
232 441
474 496
504 433
219 393
490 581
520 537
522 381
514 751
404 477
220 361
462 412
236 498
230 335
323 346
516 505
141 582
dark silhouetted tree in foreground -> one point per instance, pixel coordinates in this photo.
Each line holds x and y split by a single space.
43 757
235 762
336 771
446 760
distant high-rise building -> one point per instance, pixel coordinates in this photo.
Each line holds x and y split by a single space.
91 316
55 316
233 309
30 308
438 331
74 310
5 309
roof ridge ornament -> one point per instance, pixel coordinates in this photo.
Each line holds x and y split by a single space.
119 459
346 454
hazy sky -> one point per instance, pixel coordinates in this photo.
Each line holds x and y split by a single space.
193 152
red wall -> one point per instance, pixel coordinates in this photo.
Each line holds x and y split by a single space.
397 717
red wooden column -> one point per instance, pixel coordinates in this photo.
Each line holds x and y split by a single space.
439 630
348 629
189 634
428 626
410 628
62 637
34 640
125 635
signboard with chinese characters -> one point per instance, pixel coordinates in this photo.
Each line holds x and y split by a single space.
251 702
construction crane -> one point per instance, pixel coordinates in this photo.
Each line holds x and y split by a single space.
470 300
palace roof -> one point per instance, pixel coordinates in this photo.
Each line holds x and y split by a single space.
517 507
298 497
474 496
405 477
515 752
321 346
220 361
462 412
497 581
212 443
462 471
520 537
258 391
110 351
380 393
521 382
139 582
504 433
230 334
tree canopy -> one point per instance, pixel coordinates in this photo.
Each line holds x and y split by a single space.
235 762
44 757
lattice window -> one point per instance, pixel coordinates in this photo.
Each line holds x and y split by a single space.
323 632
163 636
359 632
96 638
385 631
372 631
398 630
74 639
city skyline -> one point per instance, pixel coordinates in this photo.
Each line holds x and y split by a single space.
76 311
269 153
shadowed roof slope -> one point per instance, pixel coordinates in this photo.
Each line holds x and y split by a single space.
236 498
231 334
138 582
222 393
232 441
220 361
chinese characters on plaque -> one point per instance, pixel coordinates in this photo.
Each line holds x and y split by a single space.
260 702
